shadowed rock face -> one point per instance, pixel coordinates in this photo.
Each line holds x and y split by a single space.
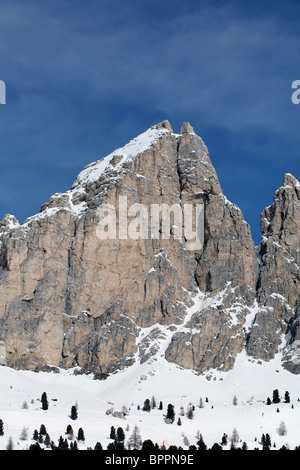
69 297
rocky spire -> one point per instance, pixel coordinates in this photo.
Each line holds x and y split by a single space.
69 297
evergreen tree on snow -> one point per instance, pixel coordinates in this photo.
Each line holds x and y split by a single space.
74 413
276 398
112 433
120 435
147 406
170 413
44 400
80 436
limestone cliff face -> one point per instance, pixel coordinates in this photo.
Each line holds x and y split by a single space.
276 323
71 297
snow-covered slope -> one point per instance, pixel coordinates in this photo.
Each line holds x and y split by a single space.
250 381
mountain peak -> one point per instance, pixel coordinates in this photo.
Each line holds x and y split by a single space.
187 128
290 180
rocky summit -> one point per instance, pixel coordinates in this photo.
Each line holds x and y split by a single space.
107 274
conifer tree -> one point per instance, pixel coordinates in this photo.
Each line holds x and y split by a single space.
170 413
153 402
148 445
120 435
74 413
1 428
201 444
147 406
43 430
47 440
80 436
112 433
190 413
44 400
69 431
276 398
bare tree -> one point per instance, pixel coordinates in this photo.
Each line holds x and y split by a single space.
135 439
234 437
153 402
24 434
201 405
282 430
190 413
10 444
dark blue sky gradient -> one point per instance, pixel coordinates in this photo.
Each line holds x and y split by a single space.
84 77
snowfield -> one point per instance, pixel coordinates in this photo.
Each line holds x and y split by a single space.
250 381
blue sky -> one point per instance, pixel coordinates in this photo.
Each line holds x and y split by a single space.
85 76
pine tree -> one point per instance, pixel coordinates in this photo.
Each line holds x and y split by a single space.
98 446
276 398
170 413
148 446
160 405
1 428
224 439
44 400
74 413
62 444
80 436
35 435
43 431
69 431
120 435
74 445
287 397
179 422
269 401
147 406
112 433
35 446
201 444
190 413
153 402
47 440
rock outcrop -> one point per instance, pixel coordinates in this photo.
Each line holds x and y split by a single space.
75 291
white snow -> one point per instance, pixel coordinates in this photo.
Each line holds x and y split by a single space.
138 145
249 381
